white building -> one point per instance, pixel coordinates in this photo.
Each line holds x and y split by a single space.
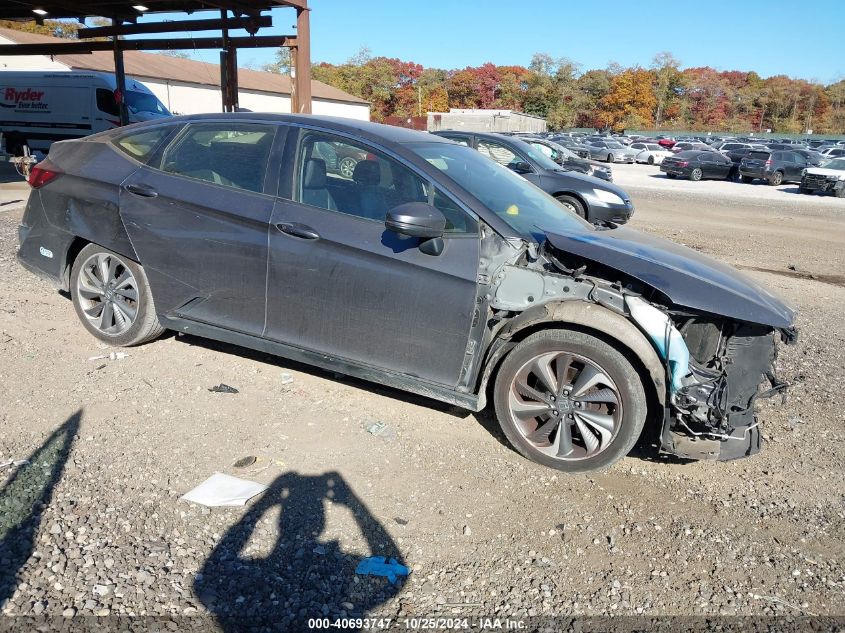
187 86
479 120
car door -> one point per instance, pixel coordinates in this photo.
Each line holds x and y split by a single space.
340 284
198 217
720 165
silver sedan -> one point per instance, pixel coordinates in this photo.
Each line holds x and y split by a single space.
611 151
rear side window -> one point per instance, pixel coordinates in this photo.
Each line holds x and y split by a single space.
759 155
228 154
142 145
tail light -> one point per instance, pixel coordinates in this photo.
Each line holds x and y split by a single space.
768 163
42 173
683 163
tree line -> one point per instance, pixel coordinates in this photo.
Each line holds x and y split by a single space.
663 96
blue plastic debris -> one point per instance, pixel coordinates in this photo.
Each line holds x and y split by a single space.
380 566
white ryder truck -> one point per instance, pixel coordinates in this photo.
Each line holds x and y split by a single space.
39 107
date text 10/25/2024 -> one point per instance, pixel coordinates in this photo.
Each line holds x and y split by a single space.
418 624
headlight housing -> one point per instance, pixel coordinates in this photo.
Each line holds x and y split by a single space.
803 172
608 196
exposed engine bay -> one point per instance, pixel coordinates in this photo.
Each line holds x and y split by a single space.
716 367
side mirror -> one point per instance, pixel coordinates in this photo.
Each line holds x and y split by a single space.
521 167
416 219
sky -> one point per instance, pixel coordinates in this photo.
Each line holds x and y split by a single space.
802 40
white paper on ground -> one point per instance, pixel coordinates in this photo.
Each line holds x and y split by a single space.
224 490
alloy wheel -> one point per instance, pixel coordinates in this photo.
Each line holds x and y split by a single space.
565 405
347 167
108 293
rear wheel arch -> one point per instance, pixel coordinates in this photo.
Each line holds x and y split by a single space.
592 319
76 245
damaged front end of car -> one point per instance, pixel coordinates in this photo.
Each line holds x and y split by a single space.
705 334
717 369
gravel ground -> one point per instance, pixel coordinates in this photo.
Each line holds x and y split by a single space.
94 525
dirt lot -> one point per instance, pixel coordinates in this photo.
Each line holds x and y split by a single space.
115 443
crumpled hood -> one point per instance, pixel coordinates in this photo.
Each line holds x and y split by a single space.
823 171
688 278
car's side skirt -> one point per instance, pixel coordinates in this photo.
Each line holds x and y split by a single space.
324 361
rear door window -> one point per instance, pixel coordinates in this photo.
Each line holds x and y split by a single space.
228 154
141 145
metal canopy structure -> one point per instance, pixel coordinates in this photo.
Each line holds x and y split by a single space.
124 14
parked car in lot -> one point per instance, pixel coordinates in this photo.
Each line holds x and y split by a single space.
833 152
683 146
610 151
568 160
697 164
433 270
650 153
812 157
774 166
573 145
588 197
665 141
827 179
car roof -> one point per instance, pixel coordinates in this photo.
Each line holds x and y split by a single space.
367 129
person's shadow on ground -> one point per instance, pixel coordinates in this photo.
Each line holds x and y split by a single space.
24 498
303 576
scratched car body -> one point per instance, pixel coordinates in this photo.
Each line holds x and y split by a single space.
428 267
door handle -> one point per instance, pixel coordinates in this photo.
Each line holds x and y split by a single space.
141 190
295 229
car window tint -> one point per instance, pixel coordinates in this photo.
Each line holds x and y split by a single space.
141 145
106 102
338 174
231 154
459 139
497 152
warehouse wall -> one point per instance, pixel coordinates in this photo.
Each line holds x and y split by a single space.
182 98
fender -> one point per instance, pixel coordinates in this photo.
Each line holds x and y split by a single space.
587 315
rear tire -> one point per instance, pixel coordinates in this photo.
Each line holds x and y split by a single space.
604 419
610 158
746 179
839 193
695 174
776 179
573 204
112 298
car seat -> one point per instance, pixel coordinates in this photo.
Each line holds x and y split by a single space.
371 199
314 191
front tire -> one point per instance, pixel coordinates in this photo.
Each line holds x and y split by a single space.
573 204
569 401
610 158
651 160
112 298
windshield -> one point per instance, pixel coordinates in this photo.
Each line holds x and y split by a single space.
614 144
525 208
836 163
144 102
537 156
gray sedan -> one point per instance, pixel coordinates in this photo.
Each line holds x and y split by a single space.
611 151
